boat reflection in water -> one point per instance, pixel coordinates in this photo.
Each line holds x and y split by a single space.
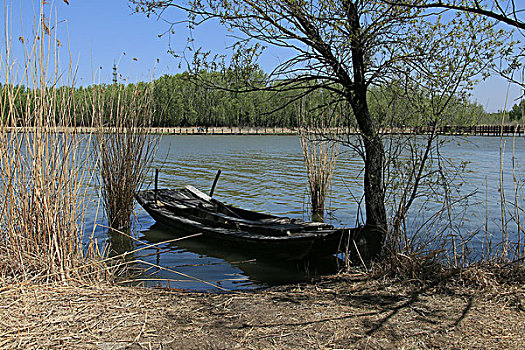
219 263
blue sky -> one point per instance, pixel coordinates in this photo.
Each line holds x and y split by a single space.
104 32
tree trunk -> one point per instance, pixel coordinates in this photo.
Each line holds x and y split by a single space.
370 239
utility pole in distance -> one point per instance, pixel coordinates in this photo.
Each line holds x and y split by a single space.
114 73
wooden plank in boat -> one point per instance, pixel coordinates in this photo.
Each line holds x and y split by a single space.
198 193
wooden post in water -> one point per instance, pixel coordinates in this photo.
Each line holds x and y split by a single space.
156 184
215 182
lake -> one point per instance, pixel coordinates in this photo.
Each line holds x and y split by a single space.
267 174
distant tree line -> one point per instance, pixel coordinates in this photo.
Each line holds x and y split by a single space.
180 100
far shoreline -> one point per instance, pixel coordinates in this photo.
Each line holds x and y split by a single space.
479 130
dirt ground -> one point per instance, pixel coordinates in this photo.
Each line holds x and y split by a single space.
349 312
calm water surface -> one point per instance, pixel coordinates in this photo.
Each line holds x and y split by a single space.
267 174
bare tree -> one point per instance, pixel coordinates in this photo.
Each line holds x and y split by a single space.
346 47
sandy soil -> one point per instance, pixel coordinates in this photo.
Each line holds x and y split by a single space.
351 312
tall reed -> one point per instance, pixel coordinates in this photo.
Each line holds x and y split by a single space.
124 148
320 156
512 245
42 162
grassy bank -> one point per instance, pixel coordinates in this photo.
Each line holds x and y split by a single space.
350 312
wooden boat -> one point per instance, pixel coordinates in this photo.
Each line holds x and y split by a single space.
189 210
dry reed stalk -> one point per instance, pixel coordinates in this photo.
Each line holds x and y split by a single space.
320 157
511 210
124 147
41 171
503 201
511 248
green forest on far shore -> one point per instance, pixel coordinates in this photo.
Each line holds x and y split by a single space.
213 100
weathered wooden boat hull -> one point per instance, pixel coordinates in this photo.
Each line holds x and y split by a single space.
270 272
256 234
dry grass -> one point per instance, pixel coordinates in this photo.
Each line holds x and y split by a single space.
350 312
50 317
124 147
320 156
42 172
